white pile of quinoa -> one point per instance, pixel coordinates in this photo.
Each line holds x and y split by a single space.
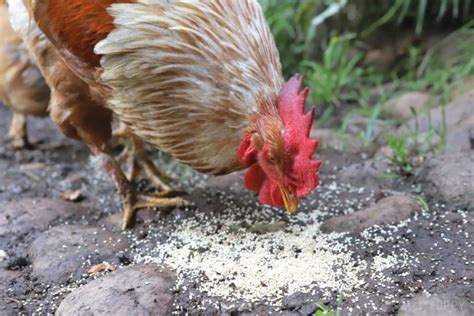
233 262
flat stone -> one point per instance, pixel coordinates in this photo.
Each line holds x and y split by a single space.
400 106
437 304
134 290
20 217
303 303
61 253
389 210
449 178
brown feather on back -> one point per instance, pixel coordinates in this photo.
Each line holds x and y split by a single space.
78 111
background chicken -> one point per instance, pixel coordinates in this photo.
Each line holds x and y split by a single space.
200 80
74 107
22 87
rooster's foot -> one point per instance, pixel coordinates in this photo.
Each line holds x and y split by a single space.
132 200
135 202
137 162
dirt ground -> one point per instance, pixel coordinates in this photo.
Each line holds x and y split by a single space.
377 271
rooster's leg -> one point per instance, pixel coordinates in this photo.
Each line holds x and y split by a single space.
132 200
120 135
137 162
18 133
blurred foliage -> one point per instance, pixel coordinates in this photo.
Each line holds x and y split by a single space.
289 21
336 70
358 54
341 46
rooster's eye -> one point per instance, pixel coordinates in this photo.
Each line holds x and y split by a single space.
271 159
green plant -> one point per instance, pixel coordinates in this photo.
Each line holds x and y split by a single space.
289 22
406 151
335 78
324 310
401 154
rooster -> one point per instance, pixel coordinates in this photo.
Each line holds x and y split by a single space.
200 80
22 86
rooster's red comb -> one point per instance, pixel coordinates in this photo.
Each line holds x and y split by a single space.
291 104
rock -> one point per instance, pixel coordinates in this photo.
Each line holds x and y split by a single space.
303 303
386 51
463 87
400 106
449 177
370 173
61 253
437 304
20 217
459 116
112 221
331 139
382 58
134 290
307 309
454 52
389 210
296 300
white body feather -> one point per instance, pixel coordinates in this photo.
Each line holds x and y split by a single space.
188 76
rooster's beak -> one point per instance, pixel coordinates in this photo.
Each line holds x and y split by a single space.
290 201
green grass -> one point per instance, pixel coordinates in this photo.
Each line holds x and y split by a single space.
333 78
402 154
289 21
